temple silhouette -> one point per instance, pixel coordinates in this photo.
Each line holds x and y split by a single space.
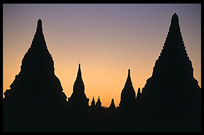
170 101
172 93
36 100
78 101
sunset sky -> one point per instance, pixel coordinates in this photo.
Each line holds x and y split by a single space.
106 39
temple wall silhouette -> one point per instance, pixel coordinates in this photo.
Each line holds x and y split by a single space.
169 101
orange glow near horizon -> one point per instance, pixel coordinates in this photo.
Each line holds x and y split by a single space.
105 42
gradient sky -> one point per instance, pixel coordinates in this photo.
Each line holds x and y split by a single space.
106 39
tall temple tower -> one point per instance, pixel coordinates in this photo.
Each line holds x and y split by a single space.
78 100
127 115
171 95
36 99
78 108
127 95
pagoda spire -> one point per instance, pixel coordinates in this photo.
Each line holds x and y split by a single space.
78 98
128 78
98 103
112 105
128 81
79 84
128 93
39 26
93 102
79 73
38 56
175 19
39 40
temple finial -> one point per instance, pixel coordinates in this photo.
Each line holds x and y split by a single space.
98 103
39 26
112 105
128 81
93 102
79 72
128 72
175 19
128 78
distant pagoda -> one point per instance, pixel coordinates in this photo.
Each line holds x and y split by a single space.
172 93
36 93
78 100
93 102
112 105
98 103
127 95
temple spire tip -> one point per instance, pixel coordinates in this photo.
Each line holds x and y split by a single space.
175 18
39 21
79 72
39 26
129 73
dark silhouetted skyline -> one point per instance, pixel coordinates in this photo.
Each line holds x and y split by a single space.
170 100
106 39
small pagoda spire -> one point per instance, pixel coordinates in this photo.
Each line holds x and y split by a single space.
93 102
129 73
98 103
128 81
78 97
79 72
128 92
112 105
79 84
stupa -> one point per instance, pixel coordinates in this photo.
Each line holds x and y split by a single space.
35 99
98 103
171 97
127 95
78 102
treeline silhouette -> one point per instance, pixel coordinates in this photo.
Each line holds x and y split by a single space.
169 102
